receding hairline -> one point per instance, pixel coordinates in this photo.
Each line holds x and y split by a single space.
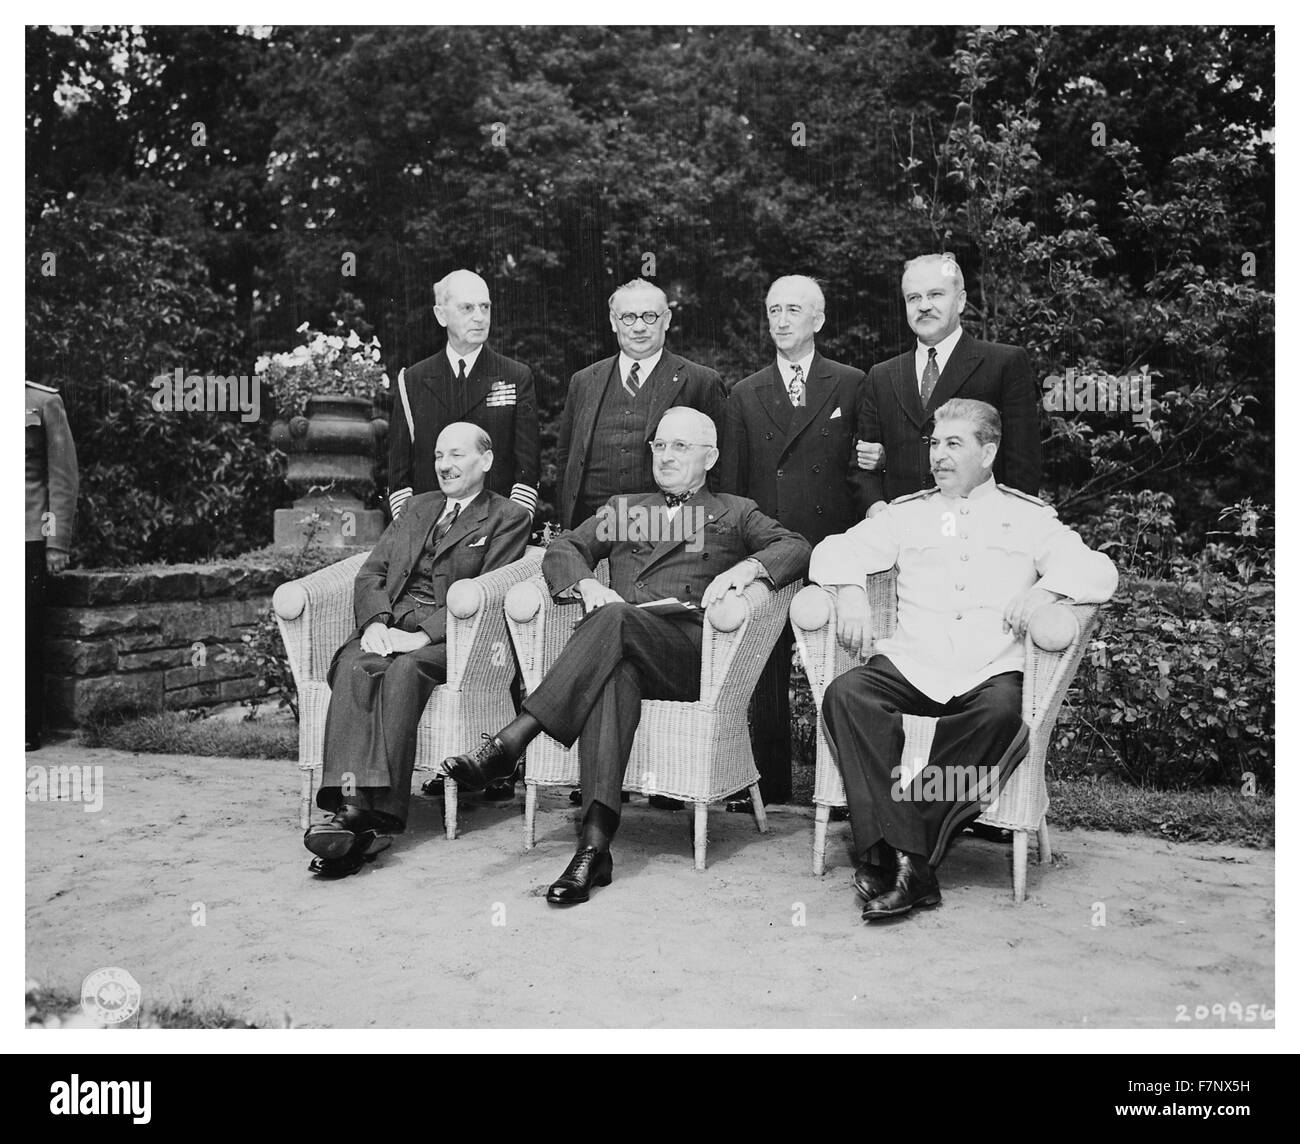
637 284
477 434
959 279
442 289
809 285
702 422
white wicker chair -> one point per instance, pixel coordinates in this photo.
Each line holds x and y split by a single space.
698 752
1021 805
315 618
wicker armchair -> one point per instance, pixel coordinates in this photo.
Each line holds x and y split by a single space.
698 752
315 618
1021 805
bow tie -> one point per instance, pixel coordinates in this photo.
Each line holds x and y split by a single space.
672 500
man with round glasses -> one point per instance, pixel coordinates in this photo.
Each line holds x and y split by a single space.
614 405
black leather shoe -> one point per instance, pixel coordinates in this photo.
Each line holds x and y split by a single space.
367 849
914 885
488 764
839 814
663 802
503 790
588 867
871 880
432 788
575 796
335 838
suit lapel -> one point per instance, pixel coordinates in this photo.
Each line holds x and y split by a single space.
692 517
665 383
819 390
965 356
470 518
906 392
771 396
439 383
589 403
422 522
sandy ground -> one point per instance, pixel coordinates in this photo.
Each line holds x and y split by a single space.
457 934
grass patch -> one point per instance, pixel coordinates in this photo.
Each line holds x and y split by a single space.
1208 815
180 733
61 1009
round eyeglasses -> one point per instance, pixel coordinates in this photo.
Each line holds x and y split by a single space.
649 318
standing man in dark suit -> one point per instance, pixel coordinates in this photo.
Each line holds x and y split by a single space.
613 406
51 506
467 381
621 654
381 679
901 395
789 441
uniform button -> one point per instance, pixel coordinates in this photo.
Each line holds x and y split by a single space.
819 510
780 472
959 615
767 436
704 556
817 468
826 432
641 584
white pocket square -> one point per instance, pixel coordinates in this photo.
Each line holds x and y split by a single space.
834 415
482 540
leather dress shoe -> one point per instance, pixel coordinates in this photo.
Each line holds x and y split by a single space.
914 885
587 868
432 788
502 790
368 847
663 802
335 838
487 764
871 880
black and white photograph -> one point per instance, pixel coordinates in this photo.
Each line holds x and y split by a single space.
654 526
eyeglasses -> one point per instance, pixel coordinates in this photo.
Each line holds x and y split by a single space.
677 448
649 318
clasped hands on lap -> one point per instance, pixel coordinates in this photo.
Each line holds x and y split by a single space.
380 639
736 579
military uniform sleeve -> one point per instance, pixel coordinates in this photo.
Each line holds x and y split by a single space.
527 445
399 452
870 546
61 475
1069 567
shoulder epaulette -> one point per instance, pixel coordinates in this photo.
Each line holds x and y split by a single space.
42 388
1023 496
915 496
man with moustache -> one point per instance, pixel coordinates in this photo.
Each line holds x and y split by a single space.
975 560
621 654
381 679
466 381
613 406
901 394
789 433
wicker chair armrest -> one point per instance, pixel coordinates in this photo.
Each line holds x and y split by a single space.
739 634
314 614
478 647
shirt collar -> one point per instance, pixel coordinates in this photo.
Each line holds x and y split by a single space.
787 367
987 488
469 359
943 351
647 364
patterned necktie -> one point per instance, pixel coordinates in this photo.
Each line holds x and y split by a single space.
796 387
672 500
444 525
632 383
930 378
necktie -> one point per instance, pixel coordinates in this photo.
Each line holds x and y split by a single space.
796 387
672 500
460 375
444 525
632 383
930 378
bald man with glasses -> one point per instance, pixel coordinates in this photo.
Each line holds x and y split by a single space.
614 405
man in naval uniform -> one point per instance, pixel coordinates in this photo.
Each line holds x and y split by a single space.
51 507
975 560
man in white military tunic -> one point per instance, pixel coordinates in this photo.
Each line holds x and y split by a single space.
975 560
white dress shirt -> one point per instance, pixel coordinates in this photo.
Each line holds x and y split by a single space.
943 351
469 359
647 365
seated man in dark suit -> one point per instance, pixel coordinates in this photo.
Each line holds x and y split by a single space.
975 560
381 679
621 654
901 395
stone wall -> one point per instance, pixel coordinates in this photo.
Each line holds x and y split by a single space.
150 637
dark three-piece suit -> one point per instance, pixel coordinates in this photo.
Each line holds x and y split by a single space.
604 431
619 654
376 701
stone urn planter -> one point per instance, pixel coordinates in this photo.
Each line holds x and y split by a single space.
331 472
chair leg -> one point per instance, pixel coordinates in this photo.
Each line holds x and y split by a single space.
1020 863
701 833
760 811
1044 844
304 807
449 800
819 839
530 815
